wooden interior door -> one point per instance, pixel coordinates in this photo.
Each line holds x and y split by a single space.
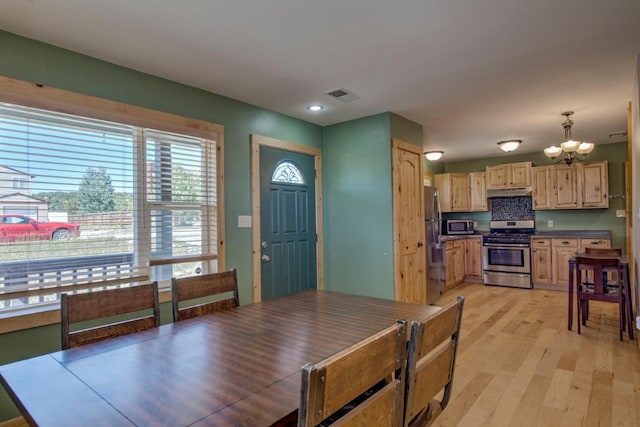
408 223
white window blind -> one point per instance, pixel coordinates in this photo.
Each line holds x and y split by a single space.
101 200
181 199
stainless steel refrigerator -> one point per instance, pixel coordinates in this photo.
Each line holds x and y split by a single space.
435 273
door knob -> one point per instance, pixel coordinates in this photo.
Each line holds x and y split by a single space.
265 258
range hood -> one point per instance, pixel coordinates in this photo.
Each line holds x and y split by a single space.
509 192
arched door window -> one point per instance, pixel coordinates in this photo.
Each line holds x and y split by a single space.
287 172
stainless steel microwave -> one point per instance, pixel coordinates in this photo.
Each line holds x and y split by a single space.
457 226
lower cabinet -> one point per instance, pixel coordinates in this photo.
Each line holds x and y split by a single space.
474 258
541 261
563 251
463 258
550 259
455 260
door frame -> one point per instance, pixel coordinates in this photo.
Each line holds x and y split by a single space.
258 141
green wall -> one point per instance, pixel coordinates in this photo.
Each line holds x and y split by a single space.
358 224
358 202
565 219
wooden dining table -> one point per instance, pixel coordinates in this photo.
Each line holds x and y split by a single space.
235 368
624 266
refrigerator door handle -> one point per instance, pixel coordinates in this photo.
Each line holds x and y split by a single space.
436 205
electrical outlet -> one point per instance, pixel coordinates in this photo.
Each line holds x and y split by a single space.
620 213
475 224
244 221
550 223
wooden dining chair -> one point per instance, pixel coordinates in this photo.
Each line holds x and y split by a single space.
137 305
431 359
609 280
594 266
219 291
359 386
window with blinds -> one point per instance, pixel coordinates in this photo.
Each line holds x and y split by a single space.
87 203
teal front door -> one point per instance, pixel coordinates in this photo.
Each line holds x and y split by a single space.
287 222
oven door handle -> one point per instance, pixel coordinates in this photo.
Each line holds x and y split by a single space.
505 245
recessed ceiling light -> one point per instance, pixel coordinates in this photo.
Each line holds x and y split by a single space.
315 107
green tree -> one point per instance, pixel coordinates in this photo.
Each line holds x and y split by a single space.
185 185
60 201
95 193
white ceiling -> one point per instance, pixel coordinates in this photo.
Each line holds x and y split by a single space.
472 72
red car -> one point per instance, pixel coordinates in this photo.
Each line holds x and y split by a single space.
19 228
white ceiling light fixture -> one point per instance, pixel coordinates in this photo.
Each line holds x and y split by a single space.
315 107
570 150
509 144
433 155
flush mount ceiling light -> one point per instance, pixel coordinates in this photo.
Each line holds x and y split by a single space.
315 107
570 150
433 155
509 144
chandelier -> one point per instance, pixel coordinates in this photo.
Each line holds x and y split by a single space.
569 150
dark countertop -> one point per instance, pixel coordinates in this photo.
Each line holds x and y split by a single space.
575 234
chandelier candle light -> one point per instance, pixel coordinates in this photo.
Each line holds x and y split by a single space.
569 150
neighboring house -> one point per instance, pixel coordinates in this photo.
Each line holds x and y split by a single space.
15 195
14 181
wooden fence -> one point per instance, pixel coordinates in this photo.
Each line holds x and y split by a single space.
121 218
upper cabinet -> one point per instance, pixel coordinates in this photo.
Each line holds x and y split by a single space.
510 175
453 189
461 192
478 189
576 186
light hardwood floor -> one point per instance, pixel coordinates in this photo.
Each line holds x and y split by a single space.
518 365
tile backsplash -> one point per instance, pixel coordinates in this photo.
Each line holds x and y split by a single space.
512 208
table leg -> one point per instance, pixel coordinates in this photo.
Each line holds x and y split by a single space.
570 292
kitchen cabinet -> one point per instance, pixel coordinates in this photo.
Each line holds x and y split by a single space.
478 192
550 259
453 189
593 243
575 186
565 191
509 175
563 250
593 184
455 262
542 189
474 258
541 265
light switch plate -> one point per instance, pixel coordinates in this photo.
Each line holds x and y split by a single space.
620 213
244 221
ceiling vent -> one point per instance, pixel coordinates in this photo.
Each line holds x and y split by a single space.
343 95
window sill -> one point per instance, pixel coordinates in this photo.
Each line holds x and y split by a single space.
44 314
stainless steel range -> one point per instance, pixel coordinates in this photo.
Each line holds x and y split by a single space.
507 253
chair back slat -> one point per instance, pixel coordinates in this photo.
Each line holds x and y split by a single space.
430 364
88 336
429 379
184 289
371 365
610 252
437 329
128 302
